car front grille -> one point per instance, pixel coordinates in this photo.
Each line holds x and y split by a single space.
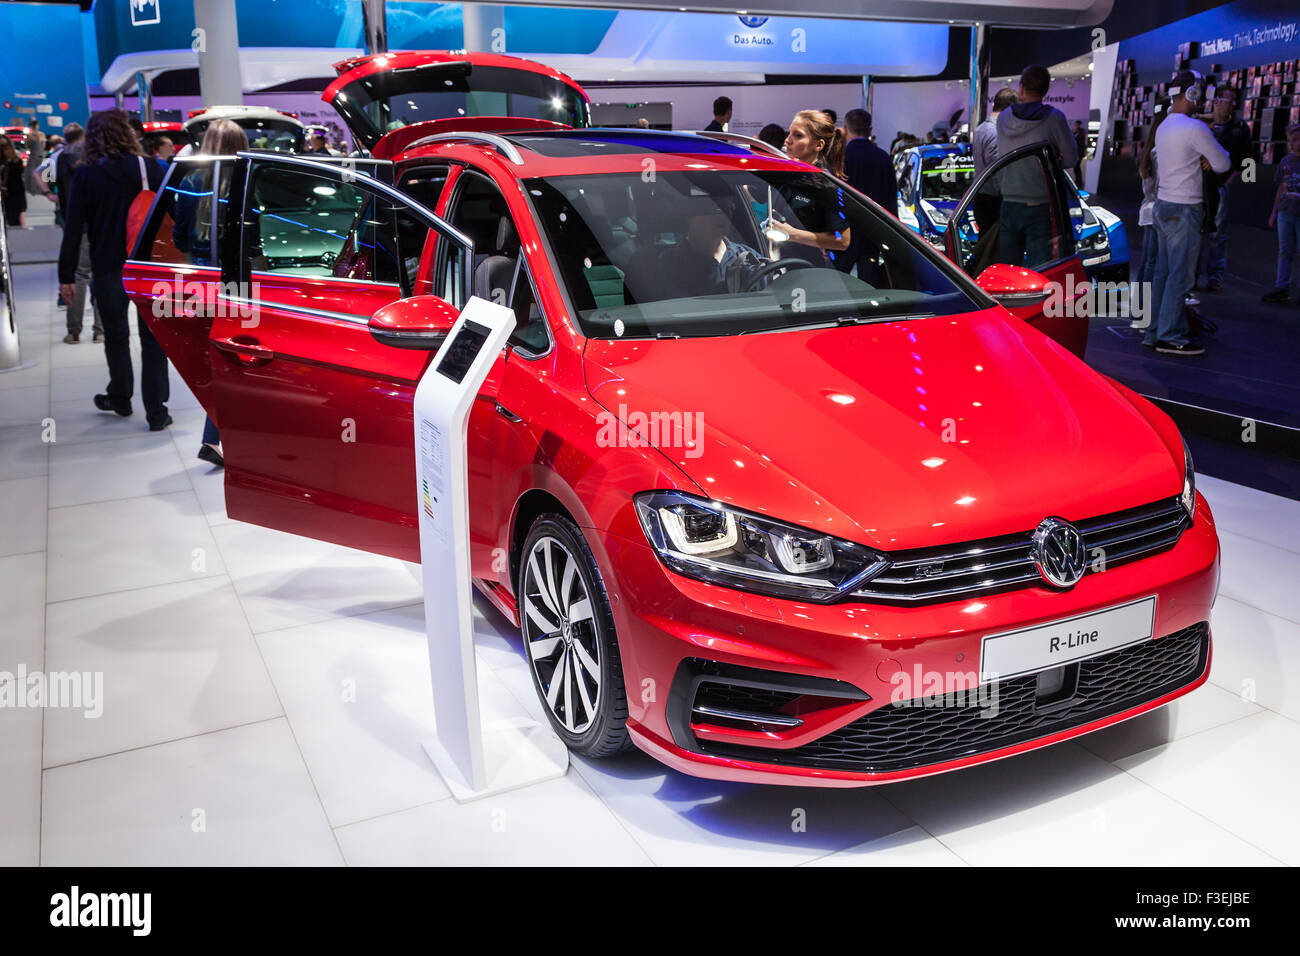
975 568
896 737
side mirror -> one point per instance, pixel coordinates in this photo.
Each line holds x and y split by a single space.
420 322
1015 287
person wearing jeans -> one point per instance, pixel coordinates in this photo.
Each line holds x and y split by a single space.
1286 215
1234 136
1185 147
77 304
1026 228
1288 243
1178 239
1216 245
1025 233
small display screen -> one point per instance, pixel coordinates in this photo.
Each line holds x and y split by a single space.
460 353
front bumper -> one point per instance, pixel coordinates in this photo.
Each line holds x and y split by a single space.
843 662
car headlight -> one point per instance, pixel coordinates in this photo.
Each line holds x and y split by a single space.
713 542
1188 498
937 216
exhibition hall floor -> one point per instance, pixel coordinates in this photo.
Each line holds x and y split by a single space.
264 696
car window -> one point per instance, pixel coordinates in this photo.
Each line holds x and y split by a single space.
188 220
498 275
274 135
1033 229
530 334
308 224
946 177
425 185
392 98
682 253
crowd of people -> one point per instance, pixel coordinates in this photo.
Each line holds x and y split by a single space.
1188 162
1193 154
848 152
1187 165
20 179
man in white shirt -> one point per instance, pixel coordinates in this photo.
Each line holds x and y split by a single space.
1185 147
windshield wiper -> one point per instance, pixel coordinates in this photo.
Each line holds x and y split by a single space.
872 319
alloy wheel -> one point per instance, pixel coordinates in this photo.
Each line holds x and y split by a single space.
560 634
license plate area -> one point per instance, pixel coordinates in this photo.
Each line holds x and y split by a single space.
1042 647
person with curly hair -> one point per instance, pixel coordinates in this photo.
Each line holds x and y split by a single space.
113 171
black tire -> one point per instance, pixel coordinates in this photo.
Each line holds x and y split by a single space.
592 728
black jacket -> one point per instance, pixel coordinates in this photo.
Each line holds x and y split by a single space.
98 203
65 168
869 170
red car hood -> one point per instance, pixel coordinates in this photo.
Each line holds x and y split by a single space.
898 435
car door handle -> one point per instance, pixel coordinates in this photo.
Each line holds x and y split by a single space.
506 413
248 352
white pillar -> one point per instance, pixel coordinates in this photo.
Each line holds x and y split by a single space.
480 20
221 81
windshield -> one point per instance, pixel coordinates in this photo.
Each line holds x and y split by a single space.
389 100
724 253
946 178
280 136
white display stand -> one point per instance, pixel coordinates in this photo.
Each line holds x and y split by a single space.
483 744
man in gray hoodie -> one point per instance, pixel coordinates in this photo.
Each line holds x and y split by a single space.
1026 237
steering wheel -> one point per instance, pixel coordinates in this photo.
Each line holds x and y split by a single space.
778 265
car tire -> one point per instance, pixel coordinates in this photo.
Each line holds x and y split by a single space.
571 647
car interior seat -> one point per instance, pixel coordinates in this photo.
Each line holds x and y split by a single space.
494 272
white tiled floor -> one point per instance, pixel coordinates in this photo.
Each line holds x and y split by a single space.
264 696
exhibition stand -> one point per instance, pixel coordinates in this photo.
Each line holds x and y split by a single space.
485 742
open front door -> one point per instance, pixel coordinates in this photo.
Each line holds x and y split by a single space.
1032 229
315 413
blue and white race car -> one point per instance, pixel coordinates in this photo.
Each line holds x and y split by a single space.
932 180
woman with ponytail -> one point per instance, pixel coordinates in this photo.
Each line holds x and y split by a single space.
816 140
814 223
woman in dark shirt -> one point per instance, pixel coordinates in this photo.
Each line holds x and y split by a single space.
814 222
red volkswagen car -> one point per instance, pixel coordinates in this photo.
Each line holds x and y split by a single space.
764 512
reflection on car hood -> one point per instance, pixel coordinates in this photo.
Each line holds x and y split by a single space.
899 435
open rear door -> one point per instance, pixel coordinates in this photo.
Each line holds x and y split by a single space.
378 94
1033 230
173 274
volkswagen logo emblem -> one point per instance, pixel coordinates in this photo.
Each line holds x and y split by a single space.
1058 552
752 22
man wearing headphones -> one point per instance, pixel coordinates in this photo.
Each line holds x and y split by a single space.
1184 147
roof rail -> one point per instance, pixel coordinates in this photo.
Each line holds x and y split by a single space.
739 140
499 143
